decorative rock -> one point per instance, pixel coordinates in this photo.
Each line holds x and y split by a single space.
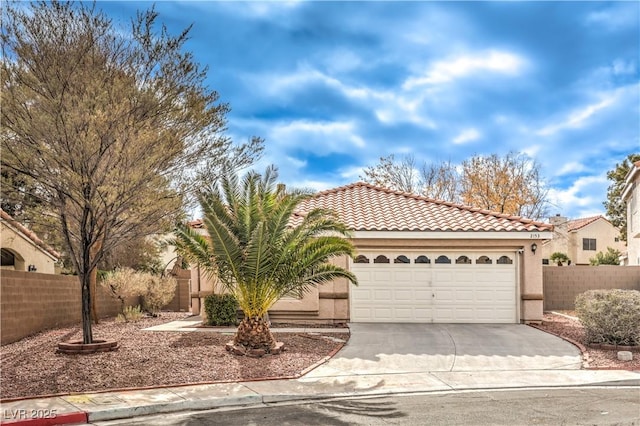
256 353
278 348
625 356
239 349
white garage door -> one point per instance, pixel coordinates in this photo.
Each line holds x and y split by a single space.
434 286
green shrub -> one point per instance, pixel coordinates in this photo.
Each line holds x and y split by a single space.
559 258
610 316
611 257
221 309
130 313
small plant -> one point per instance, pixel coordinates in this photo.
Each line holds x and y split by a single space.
130 313
158 292
610 316
611 257
221 309
155 291
122 284
560 258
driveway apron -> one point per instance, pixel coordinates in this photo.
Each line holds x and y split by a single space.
423 348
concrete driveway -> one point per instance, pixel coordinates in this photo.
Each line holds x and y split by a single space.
424 348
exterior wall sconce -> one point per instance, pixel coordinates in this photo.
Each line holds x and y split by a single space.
32 268
534 247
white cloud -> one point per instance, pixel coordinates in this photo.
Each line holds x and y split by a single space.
462 66
295 162
317 136
571 167
617 16
579 199
315 185
466 136
578 118
620 67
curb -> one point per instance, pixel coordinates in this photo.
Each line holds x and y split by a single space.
79 417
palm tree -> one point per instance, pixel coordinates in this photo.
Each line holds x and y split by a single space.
260 250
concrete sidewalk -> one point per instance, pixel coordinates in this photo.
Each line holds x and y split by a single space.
403 359
86 408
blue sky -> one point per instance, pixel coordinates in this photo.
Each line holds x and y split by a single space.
333 86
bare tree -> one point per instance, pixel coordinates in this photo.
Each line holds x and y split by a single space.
435 180
389 173
440 181
511 184
110 124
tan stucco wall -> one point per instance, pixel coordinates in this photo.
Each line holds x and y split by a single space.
562 285
329 303
25 251
605 235
571 242
633 223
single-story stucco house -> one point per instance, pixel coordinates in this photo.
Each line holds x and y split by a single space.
419 260
22 250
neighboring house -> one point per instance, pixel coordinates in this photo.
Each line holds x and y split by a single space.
581 239
631 196
22 250
420 260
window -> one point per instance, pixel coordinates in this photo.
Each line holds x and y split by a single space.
401 259
422 259
616 239
361 259
443 259
484 260
463 260
589 244
381 259
8 259
545 261
505 260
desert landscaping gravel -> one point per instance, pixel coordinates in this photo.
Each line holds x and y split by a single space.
31 366
571 328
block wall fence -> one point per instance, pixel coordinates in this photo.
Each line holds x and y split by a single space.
563 283
32 302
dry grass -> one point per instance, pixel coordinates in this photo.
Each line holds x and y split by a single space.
31 366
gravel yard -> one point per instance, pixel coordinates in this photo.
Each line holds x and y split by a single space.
31 367
596 358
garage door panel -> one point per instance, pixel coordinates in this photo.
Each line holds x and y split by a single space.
382 295
435 292
403 295
422 295
382 275
444 295
464 295
402 276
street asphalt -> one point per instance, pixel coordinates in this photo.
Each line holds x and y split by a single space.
379 360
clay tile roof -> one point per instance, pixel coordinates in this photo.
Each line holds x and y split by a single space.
575 224
198 223
28 233
365 207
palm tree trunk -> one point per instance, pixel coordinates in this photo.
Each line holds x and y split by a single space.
254 333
